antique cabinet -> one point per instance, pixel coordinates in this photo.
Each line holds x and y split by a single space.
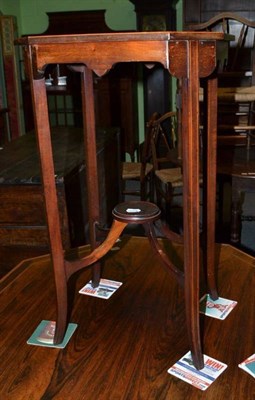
22 215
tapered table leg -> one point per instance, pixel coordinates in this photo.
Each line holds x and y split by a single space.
190 148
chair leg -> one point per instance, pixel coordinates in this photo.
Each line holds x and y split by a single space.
235 216
96 274
151 189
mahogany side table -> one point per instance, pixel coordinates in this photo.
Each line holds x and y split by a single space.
188 56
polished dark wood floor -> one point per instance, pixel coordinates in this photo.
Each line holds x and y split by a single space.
123 346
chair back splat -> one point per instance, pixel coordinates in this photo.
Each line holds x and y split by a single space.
137 177
236 77
166 163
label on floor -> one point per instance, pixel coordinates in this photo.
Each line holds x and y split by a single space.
248 365
44 335
105 289
184 369
219 308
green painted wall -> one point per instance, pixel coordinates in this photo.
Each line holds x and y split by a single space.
31 14
32 18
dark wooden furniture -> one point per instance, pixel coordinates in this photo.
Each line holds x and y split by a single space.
198 11
236 18
4 125
166 163
189 56
236 165
123 341
236 94
138 176
22 217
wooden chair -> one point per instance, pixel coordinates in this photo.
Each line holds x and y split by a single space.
137 177
166 166
236 113
236 81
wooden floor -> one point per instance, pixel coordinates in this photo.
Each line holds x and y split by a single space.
123 346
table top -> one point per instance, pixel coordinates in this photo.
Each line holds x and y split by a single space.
122 36
99 52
